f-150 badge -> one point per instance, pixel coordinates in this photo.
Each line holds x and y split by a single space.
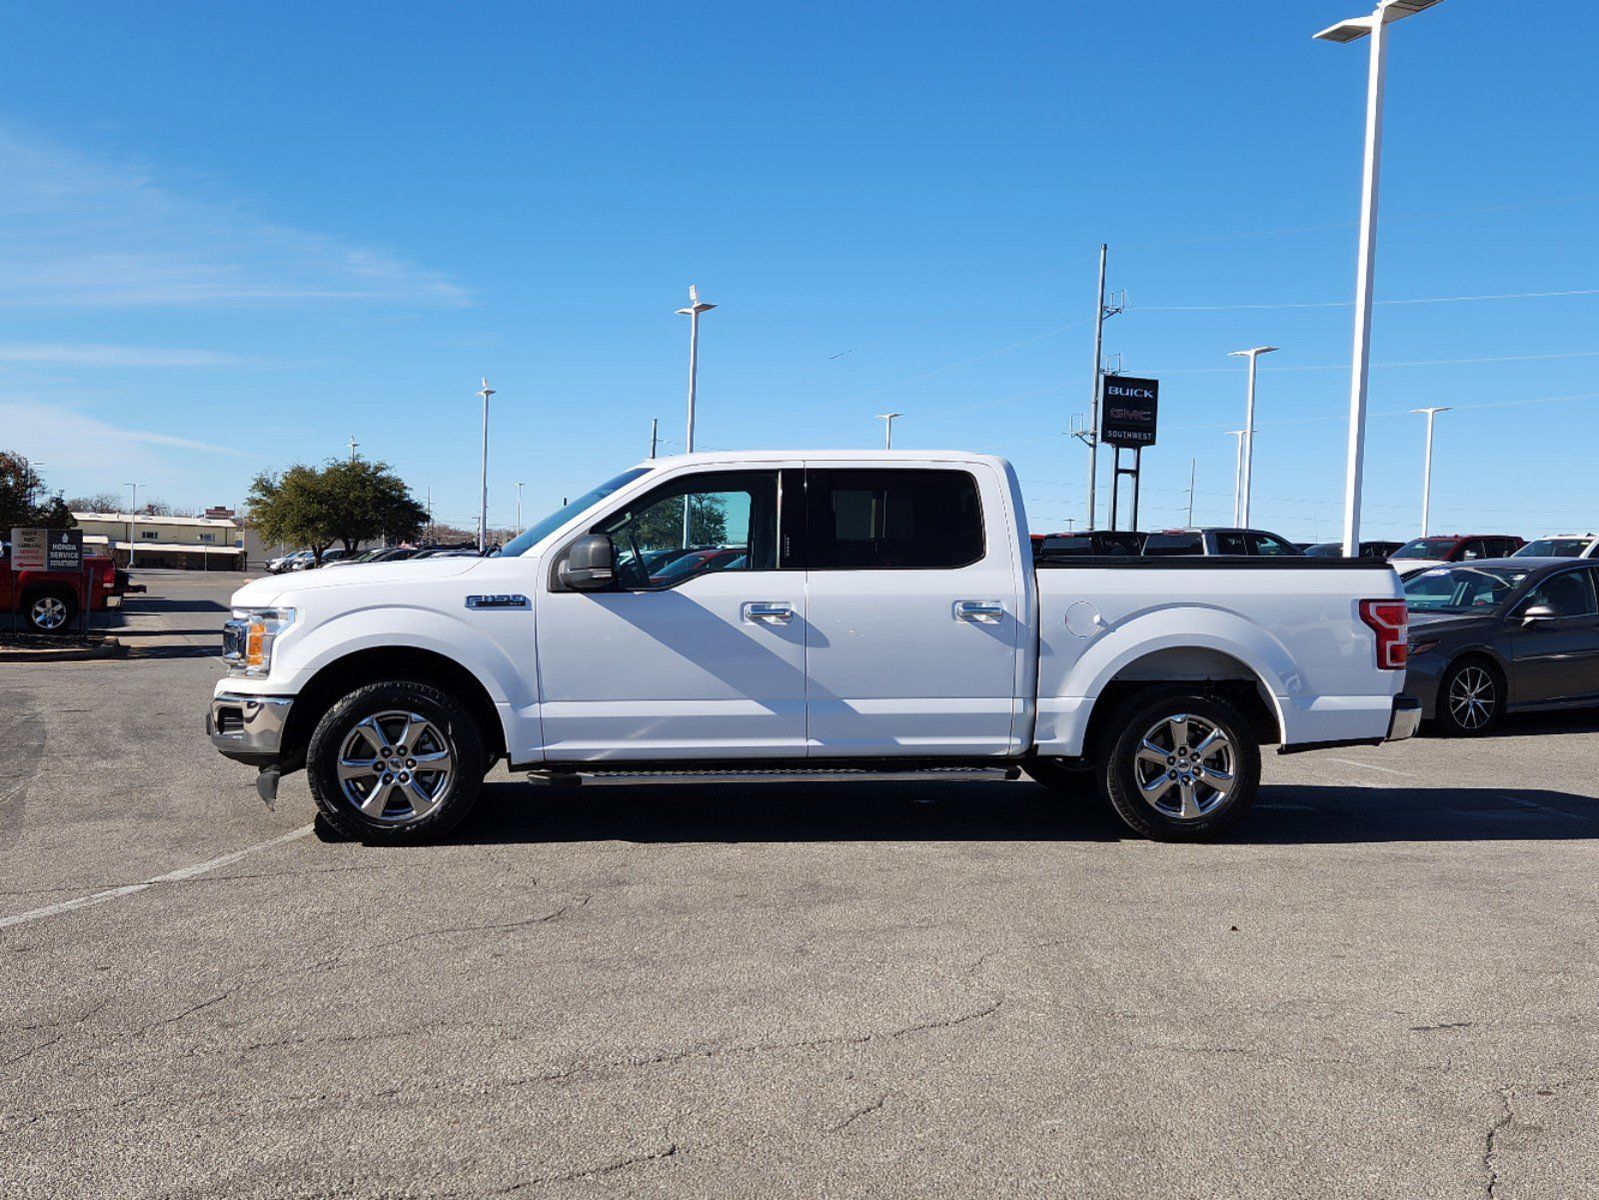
512 601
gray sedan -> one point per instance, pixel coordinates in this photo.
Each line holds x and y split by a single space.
1502 635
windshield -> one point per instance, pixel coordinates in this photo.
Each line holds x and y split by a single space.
535 534
1553 548
1425 548
1462 589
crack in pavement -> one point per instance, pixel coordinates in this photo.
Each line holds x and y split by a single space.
1490 1148
874 1106
670 1150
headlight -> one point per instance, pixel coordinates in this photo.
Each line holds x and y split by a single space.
247 639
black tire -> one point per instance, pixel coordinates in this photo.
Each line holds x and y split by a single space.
1193 785
1062 775
50 611
392 709
1462 715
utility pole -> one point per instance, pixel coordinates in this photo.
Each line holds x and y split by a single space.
483 505
430 512
519 510
888 428
655 434
1375 27
133 522
692 312
353 445
1238 473
1426 470
1249 429
1090 435
1193 473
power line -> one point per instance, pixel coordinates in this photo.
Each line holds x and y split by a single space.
1350 303
1427 362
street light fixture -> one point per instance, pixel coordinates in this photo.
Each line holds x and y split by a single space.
1247 446
888 428
483 496
1426 470
1374 26
692 312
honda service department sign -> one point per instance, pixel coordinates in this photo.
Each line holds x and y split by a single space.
66 550
1127 411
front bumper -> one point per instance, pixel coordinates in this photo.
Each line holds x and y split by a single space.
248 729
1406 719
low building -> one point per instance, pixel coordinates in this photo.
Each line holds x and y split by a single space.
214 543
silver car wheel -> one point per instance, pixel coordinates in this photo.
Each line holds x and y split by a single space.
1185 767
1472 697
48 613
395 767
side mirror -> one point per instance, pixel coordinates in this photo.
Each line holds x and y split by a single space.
1539 612
590 564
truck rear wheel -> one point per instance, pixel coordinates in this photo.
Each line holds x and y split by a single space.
51 611
397 761
1181 766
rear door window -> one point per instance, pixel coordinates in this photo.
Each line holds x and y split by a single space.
927 519
1231 543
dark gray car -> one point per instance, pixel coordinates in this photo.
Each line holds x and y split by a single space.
1502 635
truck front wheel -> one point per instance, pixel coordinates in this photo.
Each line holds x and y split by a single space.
396 761
51 612
1181 766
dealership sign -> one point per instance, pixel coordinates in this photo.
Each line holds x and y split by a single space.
65 550
29 549
1128 411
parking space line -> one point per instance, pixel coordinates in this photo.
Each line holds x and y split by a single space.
1351 762
129 889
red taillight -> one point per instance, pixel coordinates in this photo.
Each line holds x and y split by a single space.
1389 620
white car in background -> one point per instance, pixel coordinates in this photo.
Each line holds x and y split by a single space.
1561 545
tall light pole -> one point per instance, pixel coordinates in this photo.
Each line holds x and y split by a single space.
888 428
692 312
133 520
1238 473
353 445
519 510
483 505
1426 470
1375 27
1248 445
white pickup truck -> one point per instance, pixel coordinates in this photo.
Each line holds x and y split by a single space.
806 611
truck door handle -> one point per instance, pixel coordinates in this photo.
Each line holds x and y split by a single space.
777 612
978 610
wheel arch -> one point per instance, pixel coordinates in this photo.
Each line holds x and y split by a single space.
374 665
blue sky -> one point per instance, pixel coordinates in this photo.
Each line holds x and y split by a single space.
233 236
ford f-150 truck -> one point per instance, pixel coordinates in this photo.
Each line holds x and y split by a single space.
841 610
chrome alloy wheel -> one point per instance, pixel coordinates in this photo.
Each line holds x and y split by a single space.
48 612
395 767
1472 697
1185 767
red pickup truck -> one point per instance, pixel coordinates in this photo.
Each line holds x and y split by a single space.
50 601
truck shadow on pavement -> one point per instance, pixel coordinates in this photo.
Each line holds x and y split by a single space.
752 810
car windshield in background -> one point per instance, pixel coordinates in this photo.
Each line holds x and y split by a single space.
1426 548
535 534
1462 589
1553 548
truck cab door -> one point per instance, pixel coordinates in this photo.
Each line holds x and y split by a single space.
915 613
698 651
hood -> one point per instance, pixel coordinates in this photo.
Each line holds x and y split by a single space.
281 589
1407 566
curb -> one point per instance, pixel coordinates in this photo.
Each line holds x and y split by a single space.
110 648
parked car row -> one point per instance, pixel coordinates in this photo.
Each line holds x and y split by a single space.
304 560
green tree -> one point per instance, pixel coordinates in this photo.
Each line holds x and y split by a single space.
23 500
348 502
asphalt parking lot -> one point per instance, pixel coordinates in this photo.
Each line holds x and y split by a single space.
1383 985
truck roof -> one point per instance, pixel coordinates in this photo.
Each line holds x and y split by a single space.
838 456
